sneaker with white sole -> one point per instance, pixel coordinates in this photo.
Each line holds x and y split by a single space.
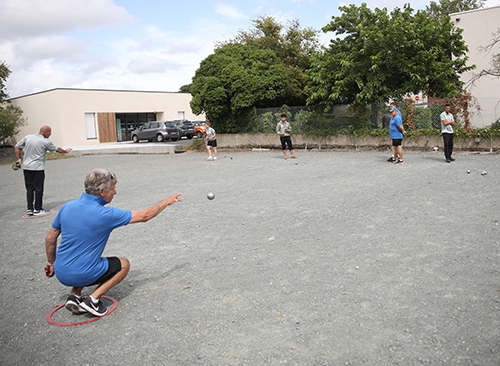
73 305
41 212
29 213
97 309
210 158
215 157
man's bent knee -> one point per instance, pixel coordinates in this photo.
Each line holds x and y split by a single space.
125 264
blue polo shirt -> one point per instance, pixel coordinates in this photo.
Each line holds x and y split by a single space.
85 226
394 133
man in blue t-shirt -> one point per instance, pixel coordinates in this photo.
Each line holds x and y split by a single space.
85 225
396 132
392 106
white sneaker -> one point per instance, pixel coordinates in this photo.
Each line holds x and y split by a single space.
209 158
215 157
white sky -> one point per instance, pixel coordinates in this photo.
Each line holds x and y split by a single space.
151 45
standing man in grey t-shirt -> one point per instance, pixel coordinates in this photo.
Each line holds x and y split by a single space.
35 146
447 123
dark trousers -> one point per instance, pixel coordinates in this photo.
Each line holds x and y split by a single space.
34 180
448 145
286 141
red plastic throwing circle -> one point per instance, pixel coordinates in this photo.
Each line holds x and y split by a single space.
90 320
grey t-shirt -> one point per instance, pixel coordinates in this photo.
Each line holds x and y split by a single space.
35 147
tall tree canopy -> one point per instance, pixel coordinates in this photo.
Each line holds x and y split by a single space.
293 45
185 88
4 74
11 117
446 7
378 56
234 79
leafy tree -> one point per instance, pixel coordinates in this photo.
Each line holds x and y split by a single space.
235 79
4 74
266 122
447 7
380 56
185 88
11 117
293 45
11 121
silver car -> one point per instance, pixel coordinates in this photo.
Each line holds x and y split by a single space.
157 131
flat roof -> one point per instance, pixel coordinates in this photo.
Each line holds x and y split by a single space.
97 90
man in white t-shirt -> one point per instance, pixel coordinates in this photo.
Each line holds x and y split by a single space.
447 123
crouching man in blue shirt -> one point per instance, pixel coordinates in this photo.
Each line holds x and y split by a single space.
85 225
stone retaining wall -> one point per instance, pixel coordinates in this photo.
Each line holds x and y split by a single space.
272 141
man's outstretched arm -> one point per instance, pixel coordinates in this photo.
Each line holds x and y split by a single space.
153 211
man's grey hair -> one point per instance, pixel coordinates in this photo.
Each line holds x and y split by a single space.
99 179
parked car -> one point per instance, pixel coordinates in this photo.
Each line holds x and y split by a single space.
186 128
199 129
156 130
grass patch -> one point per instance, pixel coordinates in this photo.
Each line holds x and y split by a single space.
197 145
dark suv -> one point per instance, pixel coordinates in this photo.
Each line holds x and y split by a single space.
156 130
186 128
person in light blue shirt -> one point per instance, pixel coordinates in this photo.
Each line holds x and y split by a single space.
393 105
396 132
85 225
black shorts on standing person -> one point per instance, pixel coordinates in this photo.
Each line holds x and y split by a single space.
286 141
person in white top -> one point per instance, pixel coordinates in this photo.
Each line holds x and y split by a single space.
447 123
211 137
283 128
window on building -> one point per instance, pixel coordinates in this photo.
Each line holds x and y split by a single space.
90 126
181 115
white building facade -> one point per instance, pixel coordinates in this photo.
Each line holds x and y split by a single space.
90 116
478 28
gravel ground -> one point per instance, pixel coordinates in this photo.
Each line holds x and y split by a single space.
337 258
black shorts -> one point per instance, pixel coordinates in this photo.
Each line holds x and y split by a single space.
114 266
212 143
286 141
397 142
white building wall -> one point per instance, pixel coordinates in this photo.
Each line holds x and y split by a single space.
478 28
64 110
